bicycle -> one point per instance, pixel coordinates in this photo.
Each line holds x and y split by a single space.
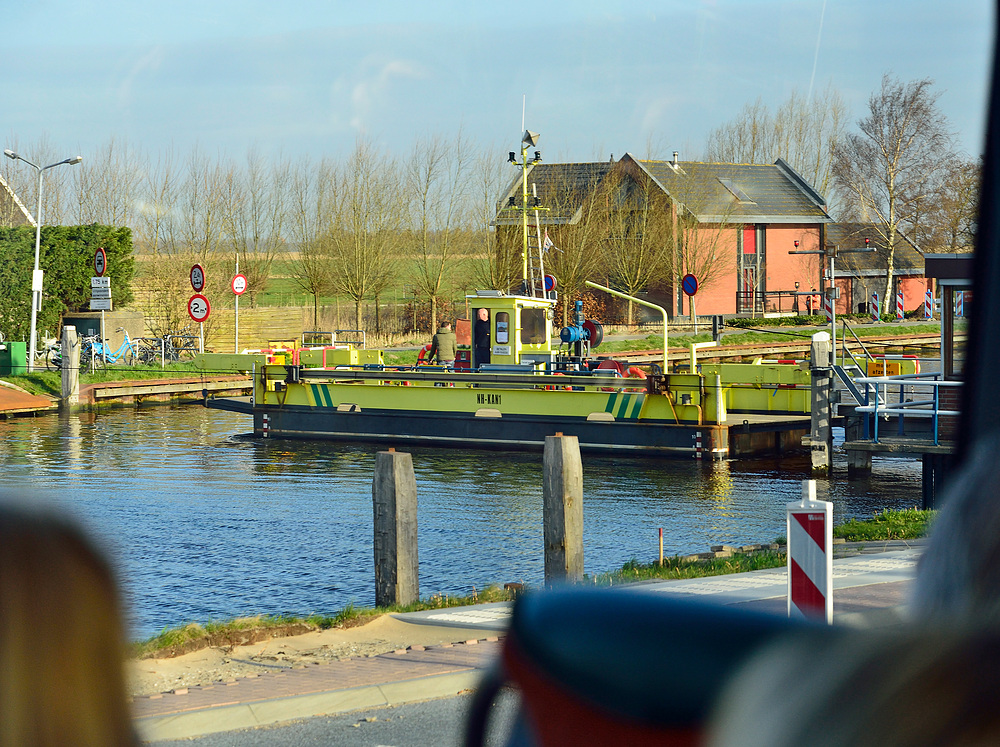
129 351
54 358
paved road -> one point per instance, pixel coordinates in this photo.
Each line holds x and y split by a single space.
434 722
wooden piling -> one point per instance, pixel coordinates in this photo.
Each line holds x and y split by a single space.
821 435
70 367
562 491
394 504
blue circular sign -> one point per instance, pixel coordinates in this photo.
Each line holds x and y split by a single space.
550 282
690 284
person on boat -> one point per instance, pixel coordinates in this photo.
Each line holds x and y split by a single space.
481 337
443 347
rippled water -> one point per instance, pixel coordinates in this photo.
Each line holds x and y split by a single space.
205 523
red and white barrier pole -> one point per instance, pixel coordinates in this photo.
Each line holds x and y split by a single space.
899 306
876 311
810 556
928 305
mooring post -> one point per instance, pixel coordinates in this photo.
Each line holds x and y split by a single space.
394 503
562 492
70 367
859 461
821 434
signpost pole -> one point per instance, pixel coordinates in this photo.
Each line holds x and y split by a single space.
236 332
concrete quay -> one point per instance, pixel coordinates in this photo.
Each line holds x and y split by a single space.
871 581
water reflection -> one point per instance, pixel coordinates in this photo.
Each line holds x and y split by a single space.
207 524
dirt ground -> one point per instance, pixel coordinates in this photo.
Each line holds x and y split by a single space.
221 663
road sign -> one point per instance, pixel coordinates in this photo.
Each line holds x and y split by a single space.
100 261
690 284
198 278
101 292
100 282
199 308
239 284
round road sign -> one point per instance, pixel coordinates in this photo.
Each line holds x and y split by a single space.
239 284
198 278
100 262
199 308
690 284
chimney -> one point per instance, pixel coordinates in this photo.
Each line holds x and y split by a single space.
674 164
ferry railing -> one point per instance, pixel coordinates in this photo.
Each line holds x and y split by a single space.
923 408
359 333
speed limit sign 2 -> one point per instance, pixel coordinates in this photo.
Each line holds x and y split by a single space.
199 308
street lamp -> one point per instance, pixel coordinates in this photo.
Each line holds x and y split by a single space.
36 275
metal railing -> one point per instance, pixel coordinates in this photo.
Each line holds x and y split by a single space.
777 302
908 384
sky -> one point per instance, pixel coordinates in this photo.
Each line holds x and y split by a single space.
308 78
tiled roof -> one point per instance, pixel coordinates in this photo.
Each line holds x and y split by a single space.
907 259
738 192
561 187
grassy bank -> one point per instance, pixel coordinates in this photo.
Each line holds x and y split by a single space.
884 526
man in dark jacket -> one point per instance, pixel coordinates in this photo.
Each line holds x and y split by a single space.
481 338
443 347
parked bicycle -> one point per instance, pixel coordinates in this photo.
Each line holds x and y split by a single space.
128 351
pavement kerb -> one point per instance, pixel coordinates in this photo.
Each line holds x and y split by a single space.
263 712
280 710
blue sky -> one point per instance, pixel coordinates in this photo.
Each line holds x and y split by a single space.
307 78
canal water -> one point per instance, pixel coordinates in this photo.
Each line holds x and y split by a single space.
205 523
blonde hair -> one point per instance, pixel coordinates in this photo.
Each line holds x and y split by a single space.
62 643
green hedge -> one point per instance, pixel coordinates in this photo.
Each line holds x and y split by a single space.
67 258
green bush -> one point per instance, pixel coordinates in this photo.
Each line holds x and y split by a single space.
66 256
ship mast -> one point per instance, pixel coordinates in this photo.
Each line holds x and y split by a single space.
528 141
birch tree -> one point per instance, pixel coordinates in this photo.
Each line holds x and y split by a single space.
887 170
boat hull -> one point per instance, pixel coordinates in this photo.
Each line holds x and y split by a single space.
493 431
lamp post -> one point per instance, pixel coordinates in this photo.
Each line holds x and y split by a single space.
36 275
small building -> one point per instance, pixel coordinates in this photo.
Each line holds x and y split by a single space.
861 264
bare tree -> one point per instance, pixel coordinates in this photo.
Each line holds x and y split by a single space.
156 210
311 198
108 185
436 184
364 238
499 253
801 131
887 171
252 215
954 214
576 252
637 248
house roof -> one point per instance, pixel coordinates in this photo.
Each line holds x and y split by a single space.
738 192
907 258
12 210
711 192
561 187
